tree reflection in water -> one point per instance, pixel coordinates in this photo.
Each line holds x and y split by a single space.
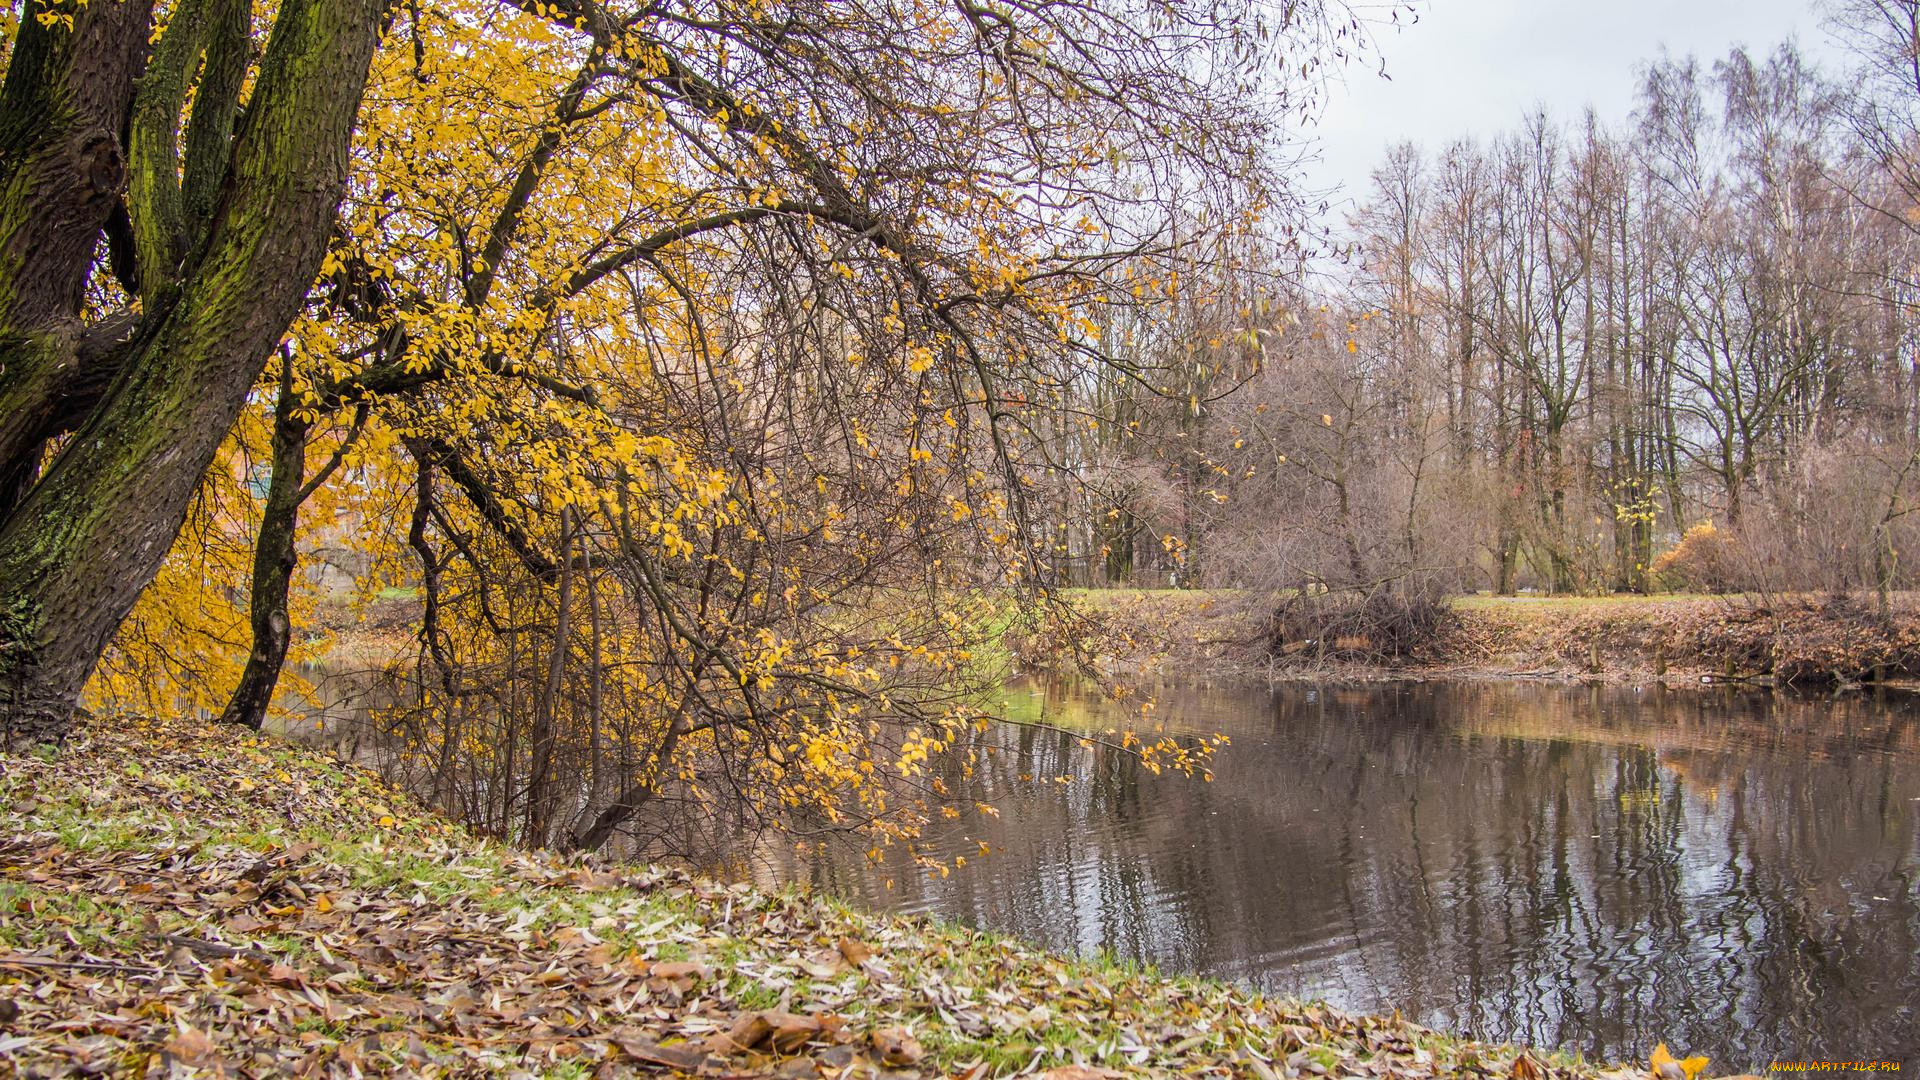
1596 868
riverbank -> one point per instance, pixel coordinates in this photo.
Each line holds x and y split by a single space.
1671 639
199 901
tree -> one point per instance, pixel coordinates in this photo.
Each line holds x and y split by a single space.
1616 332
216 230
691 362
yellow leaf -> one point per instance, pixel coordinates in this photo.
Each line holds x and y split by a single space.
1667 1067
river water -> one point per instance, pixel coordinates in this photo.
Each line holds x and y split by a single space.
1598 869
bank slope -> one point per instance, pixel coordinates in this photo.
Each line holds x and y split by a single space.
1786 639
179 899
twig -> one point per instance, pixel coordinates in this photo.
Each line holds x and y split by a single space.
214 948
79 965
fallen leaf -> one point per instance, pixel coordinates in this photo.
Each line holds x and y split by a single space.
897 1047
1667 1067
800 1068
791 1030
191 1046
747 1033
854 952
673 1057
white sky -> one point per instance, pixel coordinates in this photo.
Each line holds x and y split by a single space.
1473 67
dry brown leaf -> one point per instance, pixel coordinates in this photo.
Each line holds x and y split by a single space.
425 986
784 1032
191 1046
897 1047
791 1030
747 1033
824 964
676 970
652 1053
854 952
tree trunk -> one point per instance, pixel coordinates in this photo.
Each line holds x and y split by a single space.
591 835
275 551
62 111
540 794
88 538
274 558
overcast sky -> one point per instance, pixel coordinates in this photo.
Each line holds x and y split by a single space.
1473 67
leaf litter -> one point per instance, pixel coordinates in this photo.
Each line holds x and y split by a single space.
178 899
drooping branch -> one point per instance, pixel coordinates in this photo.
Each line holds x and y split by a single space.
587 276
440 454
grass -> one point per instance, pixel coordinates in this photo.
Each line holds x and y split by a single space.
1137 636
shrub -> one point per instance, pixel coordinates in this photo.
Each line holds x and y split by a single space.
1705 560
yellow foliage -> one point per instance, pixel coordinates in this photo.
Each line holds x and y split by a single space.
569 347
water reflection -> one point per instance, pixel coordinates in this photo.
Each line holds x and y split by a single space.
1597 868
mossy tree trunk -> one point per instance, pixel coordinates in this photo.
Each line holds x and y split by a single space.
62 169
221 269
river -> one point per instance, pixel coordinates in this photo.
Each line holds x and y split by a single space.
1593 868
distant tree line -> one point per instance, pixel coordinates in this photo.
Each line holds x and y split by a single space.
1543 359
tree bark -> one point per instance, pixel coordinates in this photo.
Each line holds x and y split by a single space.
540 779
88 538
275 554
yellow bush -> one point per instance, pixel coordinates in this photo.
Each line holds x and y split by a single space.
1703 560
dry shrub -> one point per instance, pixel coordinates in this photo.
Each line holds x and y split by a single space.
1804 640
1377 623
1831 520
1837 637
